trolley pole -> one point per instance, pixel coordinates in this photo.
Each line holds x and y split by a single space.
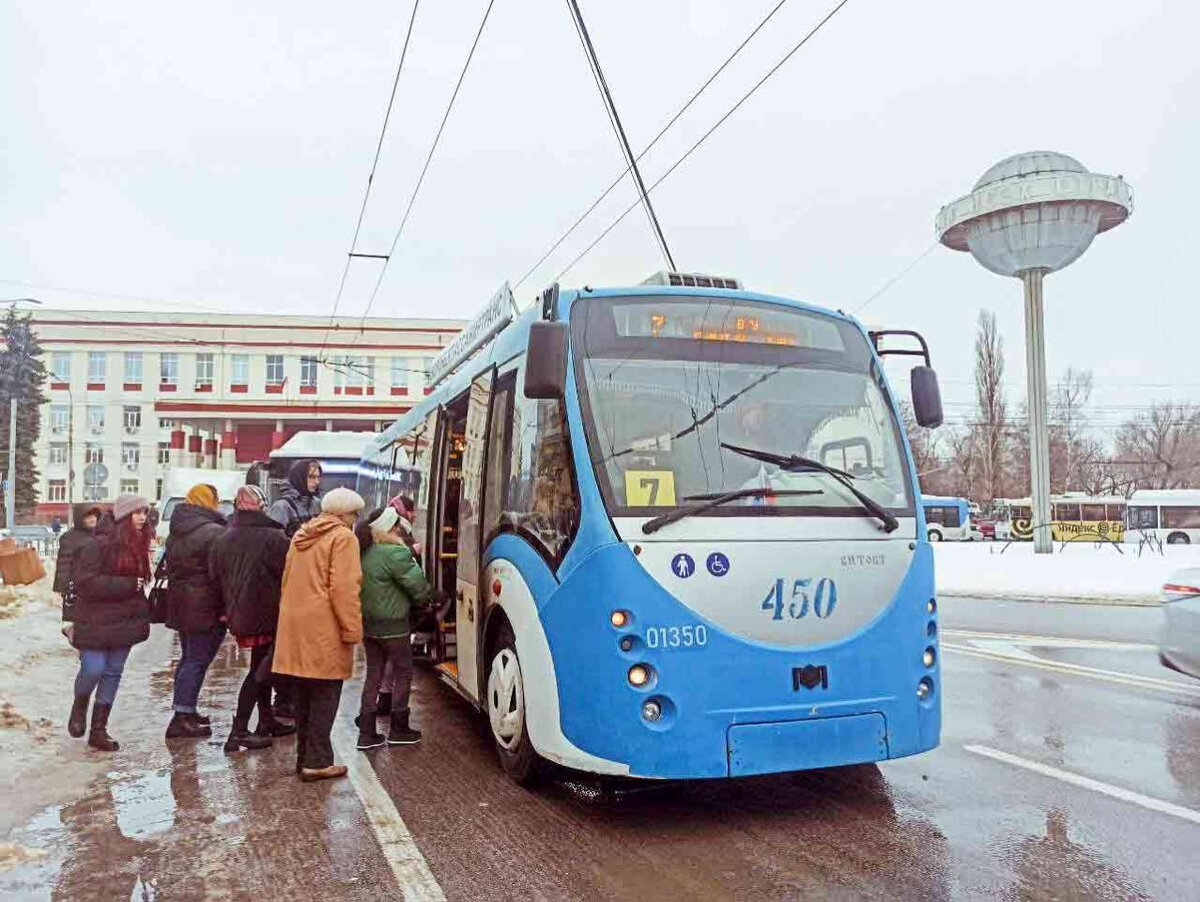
10 488
1039 437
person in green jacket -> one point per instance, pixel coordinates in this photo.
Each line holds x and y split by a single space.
392 584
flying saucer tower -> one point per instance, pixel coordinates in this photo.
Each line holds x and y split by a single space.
1029 215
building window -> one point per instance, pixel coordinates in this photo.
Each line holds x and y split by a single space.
133 367
164 453
168 369
419 373
93 454
166 424
97 367
158 489
204 370
239 369
60 366
57 490
95 418
57 455
274 369
129 486
400 369
60 416
95 491
308 372
131 456
133 419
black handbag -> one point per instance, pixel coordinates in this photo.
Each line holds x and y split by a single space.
158 593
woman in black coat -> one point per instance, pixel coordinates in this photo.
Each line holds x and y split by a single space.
111 613
194 605
83 523
247 563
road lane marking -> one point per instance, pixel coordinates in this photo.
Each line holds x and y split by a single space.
1096 673
399 848
1116 792
1049 641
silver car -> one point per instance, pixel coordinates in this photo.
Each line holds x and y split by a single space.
1179 646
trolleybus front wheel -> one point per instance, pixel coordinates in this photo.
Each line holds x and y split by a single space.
935 535
1178 538
506 711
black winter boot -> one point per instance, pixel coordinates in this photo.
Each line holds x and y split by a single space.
185 726
383 705
401 733
98 737
368 736
77 722
274 728
240 737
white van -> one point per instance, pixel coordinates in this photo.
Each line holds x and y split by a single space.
177 481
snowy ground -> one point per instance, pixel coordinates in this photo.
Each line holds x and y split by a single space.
1080 572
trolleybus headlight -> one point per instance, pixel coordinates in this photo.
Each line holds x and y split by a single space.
618 618
929 658
639 675
931 606
651 710
924 688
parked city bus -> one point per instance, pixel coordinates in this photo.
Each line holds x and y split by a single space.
1168 515
677 526
949 519
1074 517
339 454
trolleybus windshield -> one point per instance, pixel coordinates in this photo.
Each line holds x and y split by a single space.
667 384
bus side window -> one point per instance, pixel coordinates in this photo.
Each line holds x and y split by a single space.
499 458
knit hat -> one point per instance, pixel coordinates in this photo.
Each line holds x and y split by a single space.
342 501
250 498
127 504
385 521
202 495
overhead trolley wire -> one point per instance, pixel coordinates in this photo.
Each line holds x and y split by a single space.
362 211
678 114
614 117
733 109
424 169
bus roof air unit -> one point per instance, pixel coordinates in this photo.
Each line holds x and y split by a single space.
692 280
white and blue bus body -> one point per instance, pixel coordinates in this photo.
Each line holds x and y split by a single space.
785 630
949 519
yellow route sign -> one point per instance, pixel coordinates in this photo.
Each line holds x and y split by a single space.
649 488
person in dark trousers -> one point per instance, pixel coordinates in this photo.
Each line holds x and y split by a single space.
110 614
406 507
299 502
194 605
320 622
56 526
84 518
392 584
246 562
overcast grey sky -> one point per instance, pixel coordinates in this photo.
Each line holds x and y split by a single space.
215 156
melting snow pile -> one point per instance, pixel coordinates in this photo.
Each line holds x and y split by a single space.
1080 571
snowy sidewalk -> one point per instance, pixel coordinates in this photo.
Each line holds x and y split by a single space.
1081 572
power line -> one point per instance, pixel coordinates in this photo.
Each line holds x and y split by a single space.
614 117
816 28
424 169
896 278
679 113
362 211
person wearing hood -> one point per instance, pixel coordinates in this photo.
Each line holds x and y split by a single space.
111 613
247 562
320 622
300 499
83 525
195 608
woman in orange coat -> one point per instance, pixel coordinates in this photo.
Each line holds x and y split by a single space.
320 622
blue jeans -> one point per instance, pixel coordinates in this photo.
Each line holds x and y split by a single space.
199 649
100 671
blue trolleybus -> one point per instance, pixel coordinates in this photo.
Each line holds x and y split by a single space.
676 529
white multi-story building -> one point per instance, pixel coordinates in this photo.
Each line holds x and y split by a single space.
133 393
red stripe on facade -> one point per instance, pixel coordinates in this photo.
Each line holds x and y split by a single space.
328 409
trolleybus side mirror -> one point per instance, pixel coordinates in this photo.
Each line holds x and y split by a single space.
926 397
546 361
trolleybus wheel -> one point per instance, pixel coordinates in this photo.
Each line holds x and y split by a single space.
935 535
1178 538
506 711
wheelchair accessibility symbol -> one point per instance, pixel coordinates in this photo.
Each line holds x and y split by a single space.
718 564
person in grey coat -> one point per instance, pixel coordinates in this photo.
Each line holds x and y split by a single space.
300 499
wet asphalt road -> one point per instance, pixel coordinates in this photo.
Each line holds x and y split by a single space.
1072 688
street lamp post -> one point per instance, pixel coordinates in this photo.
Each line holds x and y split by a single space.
1029 215
10 483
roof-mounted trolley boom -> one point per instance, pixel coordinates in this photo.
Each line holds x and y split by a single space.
926 395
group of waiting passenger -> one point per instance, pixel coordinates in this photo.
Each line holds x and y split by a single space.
299 585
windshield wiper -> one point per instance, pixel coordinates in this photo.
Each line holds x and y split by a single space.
794 463
716 501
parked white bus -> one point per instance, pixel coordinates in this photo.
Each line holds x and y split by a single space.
1169 515
177 481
